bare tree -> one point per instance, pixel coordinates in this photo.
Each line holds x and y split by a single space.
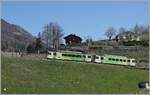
57 36
89 41
52 35
110 33
137 29
38 43
121 30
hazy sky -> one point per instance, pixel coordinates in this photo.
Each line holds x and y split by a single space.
80 18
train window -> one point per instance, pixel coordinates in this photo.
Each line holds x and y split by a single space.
109 58
54 53
102 58
84 56
64 55
121 60
89 56
78 56
117 59
133 60
50 53
97 57
128 60
113 59
124 60
70 55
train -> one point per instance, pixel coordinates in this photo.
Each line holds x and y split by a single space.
93 58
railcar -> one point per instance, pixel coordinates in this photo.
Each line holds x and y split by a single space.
51 55
67 55
120 60
132 62
98 59
89 57
112 59
105 59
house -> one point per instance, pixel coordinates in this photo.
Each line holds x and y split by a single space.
127 36
145 36
72 39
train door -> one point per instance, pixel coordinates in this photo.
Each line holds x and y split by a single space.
132 62
98 59
50 55
88 58
93 58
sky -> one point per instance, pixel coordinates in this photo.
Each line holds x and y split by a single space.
86 18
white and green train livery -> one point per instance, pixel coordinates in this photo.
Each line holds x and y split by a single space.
78 56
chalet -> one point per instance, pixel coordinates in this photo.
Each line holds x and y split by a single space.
145 36
128 36
72 39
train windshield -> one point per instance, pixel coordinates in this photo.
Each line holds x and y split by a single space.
133 61
54 53
49 53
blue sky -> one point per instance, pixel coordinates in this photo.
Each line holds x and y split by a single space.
80 18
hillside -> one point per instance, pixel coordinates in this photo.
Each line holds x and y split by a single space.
36 76
14 37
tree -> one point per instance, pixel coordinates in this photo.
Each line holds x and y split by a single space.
38 44
39 35
121 30
89 41
31 48
52 35
138 29
110 32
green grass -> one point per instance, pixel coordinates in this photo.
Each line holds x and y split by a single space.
21 75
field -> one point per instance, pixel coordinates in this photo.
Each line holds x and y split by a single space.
28 75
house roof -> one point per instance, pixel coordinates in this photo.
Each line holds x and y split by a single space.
145 33
127 33
72 35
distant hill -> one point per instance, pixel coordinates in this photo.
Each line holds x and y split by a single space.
14 37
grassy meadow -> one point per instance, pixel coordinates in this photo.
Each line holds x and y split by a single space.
28 75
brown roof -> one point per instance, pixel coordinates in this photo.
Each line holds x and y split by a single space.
72 35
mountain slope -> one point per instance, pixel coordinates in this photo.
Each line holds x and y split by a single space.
14 37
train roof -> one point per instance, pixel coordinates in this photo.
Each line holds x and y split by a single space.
115 56
75 52
71 52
